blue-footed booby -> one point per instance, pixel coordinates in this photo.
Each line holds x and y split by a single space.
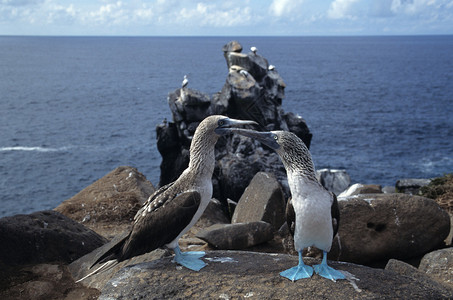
174 208
312 212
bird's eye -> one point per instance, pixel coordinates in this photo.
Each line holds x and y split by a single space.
221 122
275 137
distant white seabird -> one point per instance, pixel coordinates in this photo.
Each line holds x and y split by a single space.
244 73
254 49
185 81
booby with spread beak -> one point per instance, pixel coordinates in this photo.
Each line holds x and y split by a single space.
312 212
173 209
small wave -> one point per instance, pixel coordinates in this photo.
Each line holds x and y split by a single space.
37 149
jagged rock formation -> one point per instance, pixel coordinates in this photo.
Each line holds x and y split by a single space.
252 91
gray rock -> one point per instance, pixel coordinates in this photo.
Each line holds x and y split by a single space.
377 227
439 265
358 189
240 275
406 269
44 236
333 180
262 200
411 186
237 236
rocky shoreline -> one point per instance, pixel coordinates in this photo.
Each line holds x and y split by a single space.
392 242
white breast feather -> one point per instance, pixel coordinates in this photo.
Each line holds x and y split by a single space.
312 206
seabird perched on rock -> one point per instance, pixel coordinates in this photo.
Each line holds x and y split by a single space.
185 81
173 209
312 212
271 67
254 49
244 73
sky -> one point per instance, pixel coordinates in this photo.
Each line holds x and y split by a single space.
225 17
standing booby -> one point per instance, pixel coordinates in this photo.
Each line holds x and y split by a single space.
254 49
173 209
185 82
312 212
271 68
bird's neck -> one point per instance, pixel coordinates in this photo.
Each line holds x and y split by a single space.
303 171
202 156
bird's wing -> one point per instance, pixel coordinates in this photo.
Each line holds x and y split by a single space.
116 245
335 212
161 225
290 216
155 228
156 195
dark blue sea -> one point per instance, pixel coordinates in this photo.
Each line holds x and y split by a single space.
74 108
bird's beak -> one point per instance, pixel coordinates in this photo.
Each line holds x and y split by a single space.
227 124
267 138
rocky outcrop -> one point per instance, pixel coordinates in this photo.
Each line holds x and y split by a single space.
44 236
113 199
251 91
377 227
240 275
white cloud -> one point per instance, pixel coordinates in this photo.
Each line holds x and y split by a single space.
281 8
215 15
341 9
411 7
248 17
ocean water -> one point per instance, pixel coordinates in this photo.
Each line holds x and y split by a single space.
74 108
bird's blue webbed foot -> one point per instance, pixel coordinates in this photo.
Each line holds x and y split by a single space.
327 272
298 272
191 259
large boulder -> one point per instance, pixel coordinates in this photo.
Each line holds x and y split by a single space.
262 200
377 227
240 275
108 206
44 236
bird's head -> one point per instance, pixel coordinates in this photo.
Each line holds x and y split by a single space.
288 146
222 125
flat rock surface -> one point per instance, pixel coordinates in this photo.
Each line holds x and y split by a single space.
251 275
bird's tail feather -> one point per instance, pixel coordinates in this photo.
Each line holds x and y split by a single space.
106 265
